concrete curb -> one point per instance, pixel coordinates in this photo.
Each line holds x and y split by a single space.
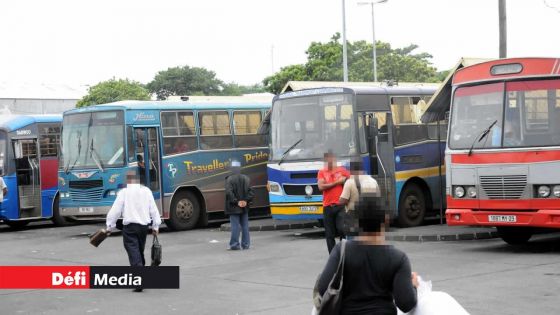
427 237
226 227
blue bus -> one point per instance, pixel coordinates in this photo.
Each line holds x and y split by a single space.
29 164
380 124
183 151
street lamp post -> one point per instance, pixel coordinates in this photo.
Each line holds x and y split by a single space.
374 48
344 48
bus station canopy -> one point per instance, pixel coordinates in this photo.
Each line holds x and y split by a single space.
440 102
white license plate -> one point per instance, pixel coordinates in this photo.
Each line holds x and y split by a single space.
502 218
85 209
308 208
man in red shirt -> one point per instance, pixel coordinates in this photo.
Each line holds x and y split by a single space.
331 181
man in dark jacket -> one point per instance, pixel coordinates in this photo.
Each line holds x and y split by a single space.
238 198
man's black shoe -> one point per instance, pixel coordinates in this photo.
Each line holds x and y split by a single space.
138 290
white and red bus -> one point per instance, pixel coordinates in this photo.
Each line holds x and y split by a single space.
503 148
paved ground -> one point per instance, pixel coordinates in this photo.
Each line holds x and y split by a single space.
277 274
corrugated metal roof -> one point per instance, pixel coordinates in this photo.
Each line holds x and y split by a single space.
440 102
28 90
303 85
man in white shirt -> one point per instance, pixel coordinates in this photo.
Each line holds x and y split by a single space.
137 206
3 189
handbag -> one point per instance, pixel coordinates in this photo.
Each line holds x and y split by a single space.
99 236
331 303
156 252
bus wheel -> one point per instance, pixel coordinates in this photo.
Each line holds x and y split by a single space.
16 224
184 212
514 235
412 206
57 218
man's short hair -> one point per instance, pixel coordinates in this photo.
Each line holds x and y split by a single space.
132 176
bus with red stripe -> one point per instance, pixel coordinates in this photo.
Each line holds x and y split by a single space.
503 148
29 165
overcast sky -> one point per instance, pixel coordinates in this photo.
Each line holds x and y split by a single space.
85 41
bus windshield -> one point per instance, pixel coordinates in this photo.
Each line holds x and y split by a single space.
3 155
93 140
475 109
530 112
320 123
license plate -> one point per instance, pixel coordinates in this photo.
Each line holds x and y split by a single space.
308 208
502 218
85 209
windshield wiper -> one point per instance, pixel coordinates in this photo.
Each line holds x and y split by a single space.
68 167
95 157
483 135
288 151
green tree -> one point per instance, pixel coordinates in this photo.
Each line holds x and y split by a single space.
324 63
185 81
112 91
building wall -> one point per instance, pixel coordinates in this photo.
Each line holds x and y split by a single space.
37 106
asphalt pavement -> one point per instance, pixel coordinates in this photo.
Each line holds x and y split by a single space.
277 274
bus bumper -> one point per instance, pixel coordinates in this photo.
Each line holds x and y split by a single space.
84 213
541 218
296 211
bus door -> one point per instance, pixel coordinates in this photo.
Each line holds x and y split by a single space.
382 153
28 177
148 155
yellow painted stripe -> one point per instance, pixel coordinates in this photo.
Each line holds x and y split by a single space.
423 172
296 204
293 210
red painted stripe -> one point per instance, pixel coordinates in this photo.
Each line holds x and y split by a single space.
510 204
531 67
533 85
506 157
49 173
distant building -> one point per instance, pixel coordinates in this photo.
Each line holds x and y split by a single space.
32 98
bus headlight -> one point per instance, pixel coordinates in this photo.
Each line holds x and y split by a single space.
112 192
471 192
274 188
64 195
543 191
309 190
556 191
459 192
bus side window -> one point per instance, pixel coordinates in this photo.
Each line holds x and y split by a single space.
407 113
215 131
179 132
246 125
49 140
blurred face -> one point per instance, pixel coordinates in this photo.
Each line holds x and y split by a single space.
132 179
330 161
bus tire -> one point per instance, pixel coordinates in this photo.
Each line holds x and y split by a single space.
514 235
185 211
16 224
412 206
57 219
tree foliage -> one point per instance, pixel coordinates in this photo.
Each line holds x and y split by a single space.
324 63
185 81
112 91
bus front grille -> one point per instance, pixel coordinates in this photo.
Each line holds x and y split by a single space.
86 195
86 190
85 184
299 190
504 187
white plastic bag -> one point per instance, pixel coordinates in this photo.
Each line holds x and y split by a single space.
434 302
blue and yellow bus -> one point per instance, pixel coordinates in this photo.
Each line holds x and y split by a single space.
183 151
28 164
380 124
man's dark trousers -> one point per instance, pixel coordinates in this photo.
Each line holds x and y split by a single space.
333 222
134 239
